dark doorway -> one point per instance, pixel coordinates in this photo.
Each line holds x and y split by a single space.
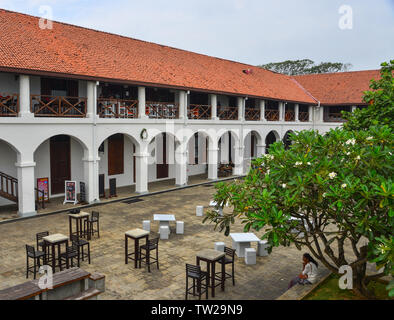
162 168
60 162
287 140
270 139
116 154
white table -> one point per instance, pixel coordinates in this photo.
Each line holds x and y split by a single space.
220 209
241 241
164 219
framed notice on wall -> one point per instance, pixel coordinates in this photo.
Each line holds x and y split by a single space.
43 186
70 195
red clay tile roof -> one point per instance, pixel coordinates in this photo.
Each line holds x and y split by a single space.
73 50
338 88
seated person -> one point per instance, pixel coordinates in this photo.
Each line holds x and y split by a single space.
309 271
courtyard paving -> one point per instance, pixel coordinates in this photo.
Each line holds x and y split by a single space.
268 279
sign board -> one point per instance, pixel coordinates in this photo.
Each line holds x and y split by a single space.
70 195
82 192
43 186
112 188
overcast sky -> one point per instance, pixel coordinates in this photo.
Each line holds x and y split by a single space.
250 31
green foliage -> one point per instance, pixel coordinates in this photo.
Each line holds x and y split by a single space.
380 100
305 66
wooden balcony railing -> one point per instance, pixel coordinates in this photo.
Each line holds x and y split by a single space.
333 117
51 106
8 187
228 113
162 110
252 114
272 115
117 108
289 116
303 116
199 112
9 105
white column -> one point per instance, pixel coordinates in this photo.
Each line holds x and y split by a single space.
297 112
321 114
240 103
260 149
214 105
141 172
182 104
224 148
281 111
91 173
26 185
24 97
354 108
141 103
262 110
238 169
181 168
213 163
310 114
92 99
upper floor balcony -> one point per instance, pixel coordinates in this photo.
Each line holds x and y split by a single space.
69 98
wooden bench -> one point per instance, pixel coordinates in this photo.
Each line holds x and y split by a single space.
70 284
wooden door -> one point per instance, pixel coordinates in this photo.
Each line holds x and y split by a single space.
162 168
116 154
60 163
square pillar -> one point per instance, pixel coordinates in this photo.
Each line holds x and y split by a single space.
91 173
240 103
24 97
262 110
297 112
92 99
213 163
141 103
282 111
181 168
224 148
26 192
141 173
214 105
321 113
310 114
182 104
238 169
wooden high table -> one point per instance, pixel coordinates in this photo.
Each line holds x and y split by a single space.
79 219
136 235
53 241
211 256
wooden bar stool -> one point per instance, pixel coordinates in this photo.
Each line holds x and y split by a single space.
136 235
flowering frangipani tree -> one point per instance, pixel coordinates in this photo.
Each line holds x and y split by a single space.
326 193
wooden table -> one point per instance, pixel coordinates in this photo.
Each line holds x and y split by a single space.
79 219
53 241
136 235
211 256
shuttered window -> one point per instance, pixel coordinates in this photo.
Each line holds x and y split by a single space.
116 154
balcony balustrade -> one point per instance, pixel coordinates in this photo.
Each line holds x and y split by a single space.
333 117
228 113
199 112
272 115
252 114
303 116
9 105
162 110
289 116
58 106
117 108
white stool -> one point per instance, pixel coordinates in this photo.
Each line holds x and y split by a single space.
219 246
146 225
199 211
262 248
250 256
180 227
164 232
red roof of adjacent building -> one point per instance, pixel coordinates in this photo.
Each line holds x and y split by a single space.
338 88
68 50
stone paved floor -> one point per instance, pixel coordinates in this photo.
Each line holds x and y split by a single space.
268 279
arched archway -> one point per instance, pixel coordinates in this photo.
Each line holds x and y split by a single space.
287 140
229 156
271 138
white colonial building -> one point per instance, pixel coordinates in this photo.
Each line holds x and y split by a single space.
82 105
